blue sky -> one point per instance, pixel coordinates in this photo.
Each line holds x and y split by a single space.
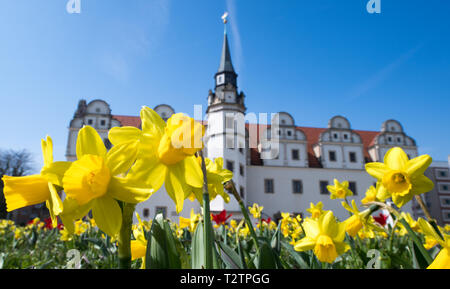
313 59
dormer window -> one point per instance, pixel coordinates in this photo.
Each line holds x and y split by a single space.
389 139
102 122
332 156
90 121
345 136
335 135
289 133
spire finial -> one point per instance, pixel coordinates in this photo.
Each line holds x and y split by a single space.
225 21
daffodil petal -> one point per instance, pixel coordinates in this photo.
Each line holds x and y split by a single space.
73 211
89 142
442 260
328 224
148 172
417 166
138 249
118 135
47 150
377 170
305 244
152 123
107 215
121 157
311 228
176 185
55 172
395 158
54 200
193 172
25 191
124 190
421 184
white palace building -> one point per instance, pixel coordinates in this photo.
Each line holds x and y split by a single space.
309 158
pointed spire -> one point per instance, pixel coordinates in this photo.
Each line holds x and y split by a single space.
225 60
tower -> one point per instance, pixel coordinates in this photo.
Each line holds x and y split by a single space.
225 134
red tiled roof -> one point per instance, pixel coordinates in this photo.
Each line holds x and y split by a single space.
128 120
312 136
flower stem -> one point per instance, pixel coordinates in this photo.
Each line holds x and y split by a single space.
124 249
207 228
231 188
416 240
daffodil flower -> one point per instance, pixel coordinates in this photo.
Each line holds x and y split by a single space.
216 176
35 189
442 260
139 245
339 190
91 182
401 178
359 220
315 210
325 236
165 153
190 223
256 210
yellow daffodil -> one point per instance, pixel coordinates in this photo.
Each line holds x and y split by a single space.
442 260
165 153
256 210
216 176
401 178
139 245
412 223
35 189
291 226
65 235
371 194
339 190
190 223
315 210
325 236
429 242
359 220
91 183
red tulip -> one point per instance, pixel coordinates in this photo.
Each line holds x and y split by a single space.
221 217
381 219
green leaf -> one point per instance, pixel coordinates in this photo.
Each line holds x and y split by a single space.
298 256
266 258
161 249
231 258
419 261
197 248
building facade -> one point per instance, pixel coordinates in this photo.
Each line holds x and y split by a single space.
281 166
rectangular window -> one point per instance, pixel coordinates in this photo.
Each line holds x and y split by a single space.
332 156
230 166
162 210
295 155
443 174
229 122
323 188
352 157
297 187
241 192
90 121
146 213
230 142
268 186
352 187
102 122
241 170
